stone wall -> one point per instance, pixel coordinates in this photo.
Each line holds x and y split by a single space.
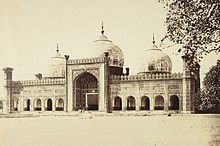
33 90
137 86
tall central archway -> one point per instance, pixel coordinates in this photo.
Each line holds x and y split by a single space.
86 89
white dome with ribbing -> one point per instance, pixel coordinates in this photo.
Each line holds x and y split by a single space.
102 45
155 60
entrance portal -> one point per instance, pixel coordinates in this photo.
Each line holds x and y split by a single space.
86 91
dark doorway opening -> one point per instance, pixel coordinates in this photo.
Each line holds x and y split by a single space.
145 103
37 106
49 105
92 101
131 103
174 103
28 104
117 103
159 103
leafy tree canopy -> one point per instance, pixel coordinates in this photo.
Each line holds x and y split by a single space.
210 95
195 24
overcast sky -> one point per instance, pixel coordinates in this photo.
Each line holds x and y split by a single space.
30 29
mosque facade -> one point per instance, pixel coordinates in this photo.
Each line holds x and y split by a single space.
99 84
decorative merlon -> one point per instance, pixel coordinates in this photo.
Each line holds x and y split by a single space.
86 60
43 81
147 76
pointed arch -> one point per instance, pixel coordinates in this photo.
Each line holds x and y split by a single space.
27 105
49 105
117 103
16 102
86 91
37 105
145 103
59 104
174 102
130 103
159 103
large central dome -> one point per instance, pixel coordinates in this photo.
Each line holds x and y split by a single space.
103 44
155 60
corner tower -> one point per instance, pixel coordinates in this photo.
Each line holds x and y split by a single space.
7 99
188 85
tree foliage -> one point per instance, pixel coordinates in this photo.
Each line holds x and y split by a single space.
210 95
195 24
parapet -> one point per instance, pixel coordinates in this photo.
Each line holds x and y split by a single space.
153 76
43 82
86 60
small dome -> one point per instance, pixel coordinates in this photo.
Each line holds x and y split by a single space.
155 60
56 67
103 44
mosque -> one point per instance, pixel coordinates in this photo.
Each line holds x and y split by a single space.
99 84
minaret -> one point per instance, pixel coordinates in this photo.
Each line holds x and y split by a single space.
7 99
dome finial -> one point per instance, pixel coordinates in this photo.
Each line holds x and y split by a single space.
153 39
57 48
102 28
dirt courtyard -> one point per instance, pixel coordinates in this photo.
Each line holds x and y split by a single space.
91 130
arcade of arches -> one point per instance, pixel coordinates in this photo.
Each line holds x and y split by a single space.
91 103
39 105
145 103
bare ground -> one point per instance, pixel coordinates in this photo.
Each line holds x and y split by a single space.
128 129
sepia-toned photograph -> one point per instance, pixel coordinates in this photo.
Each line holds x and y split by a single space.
109 73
